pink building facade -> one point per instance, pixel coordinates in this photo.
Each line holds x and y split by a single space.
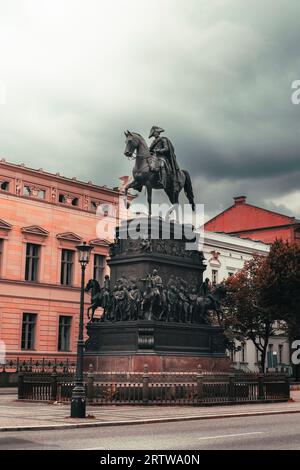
43 217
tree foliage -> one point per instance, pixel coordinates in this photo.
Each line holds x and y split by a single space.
246 314
265 294
283 288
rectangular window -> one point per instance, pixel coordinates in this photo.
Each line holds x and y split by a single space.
32 262
99 262
26 191
280 349
64 333
4 185
243 352
232 355
214 276
230 274
66 273
271 357
28 331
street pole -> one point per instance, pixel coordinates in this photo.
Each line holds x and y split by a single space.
78 400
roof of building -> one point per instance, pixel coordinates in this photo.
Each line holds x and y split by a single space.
240 201
58 176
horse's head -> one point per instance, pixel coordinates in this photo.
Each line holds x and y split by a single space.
131 143
89 285
94 285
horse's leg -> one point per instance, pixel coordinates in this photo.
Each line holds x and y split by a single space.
91 307
188 188
126 203
149 198
174 200
176 204
93 312
131 185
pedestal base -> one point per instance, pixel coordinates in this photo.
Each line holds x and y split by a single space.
156 363
164 347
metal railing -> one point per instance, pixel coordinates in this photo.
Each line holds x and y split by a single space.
147 388
17 364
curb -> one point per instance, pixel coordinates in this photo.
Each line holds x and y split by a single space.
97 424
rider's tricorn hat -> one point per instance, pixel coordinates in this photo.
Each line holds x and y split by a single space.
153 129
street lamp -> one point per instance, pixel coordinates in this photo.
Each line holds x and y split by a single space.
78 401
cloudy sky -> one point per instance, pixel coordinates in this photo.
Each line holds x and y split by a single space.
216 74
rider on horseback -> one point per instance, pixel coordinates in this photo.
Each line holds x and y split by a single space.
163 148
208 293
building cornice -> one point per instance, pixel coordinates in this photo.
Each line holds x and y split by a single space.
40 285
218 240
58 178
35 230
5 225
42 202
99 242
69 236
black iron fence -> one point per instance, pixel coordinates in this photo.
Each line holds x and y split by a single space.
149 388
11 365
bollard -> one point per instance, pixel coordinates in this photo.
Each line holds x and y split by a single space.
21 386
261 392
231 388
199 378
90 383
146 385
54 385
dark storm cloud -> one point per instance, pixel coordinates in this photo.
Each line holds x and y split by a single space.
215 74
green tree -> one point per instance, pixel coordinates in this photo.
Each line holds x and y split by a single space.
282 290
246 311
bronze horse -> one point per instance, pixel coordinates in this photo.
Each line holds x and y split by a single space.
210 303
146 170
96 297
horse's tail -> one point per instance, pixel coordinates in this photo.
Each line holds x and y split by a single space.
188 189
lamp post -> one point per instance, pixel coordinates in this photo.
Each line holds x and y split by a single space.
78 401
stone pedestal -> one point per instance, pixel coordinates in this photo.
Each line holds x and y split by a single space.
170 248
165 347
143 245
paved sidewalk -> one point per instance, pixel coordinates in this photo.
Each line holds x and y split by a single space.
16 415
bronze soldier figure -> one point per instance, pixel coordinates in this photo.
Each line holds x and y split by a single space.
193 301
156 282
183 305
134 296
121 303
205 287
163 147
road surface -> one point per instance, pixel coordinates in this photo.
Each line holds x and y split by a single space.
257 432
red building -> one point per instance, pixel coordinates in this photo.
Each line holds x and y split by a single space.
248 221
43 217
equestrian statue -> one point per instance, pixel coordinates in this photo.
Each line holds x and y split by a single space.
156 168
